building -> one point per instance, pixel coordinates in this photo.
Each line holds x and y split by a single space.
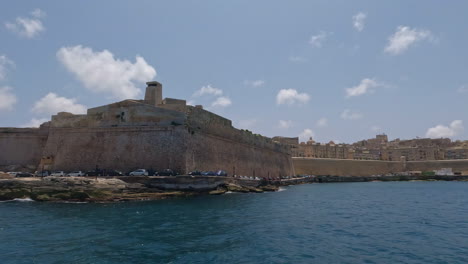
380 148
153 133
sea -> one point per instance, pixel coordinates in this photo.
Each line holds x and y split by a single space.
371 222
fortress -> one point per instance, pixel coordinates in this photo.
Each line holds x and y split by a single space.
153 133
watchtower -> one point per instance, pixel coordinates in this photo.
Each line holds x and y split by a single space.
153 94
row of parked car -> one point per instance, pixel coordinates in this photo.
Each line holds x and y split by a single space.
99 172
209 173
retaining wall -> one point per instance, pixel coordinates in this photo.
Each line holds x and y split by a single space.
341 167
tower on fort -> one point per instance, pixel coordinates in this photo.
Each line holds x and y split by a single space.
153 94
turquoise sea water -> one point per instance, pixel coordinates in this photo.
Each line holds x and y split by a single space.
375 222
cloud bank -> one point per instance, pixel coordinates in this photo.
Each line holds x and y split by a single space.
440 131
52 104
100 72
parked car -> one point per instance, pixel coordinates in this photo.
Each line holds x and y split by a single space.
58 173
12 173
167 172
221 173
24 174
113 173
76 174
94 173
195 173
139 172
42 173
208 173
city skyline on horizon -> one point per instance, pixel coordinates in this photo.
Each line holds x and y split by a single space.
361 69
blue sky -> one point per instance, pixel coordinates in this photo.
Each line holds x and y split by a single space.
337 70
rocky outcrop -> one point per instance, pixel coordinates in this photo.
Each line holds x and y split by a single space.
102 189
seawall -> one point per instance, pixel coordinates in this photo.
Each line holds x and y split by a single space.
340 167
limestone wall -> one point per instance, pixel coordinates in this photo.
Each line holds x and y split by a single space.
121 148
205 122
160 148
210 152
339 167
456 165
21 147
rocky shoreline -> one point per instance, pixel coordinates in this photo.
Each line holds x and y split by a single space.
116 189
139 188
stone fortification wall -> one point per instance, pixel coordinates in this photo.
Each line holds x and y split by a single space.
132 113
120 148
21 147
456 165
202 121
338 167
174 147
211 152
341 167
216 145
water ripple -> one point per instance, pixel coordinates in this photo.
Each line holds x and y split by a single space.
380 222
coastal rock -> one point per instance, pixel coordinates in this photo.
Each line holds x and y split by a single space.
218 191
255 190
269 188
237 188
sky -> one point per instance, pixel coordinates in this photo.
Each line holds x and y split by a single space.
331 70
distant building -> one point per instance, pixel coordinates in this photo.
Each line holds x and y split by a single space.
380 148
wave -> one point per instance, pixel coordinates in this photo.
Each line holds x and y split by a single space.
23 200
18 200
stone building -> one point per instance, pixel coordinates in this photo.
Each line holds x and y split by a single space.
153 133
312 149
380 148
459 152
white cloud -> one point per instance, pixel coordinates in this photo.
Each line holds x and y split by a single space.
52 104
322 122
291 96
255 84
359 20
366 86
35 122
28 27
7 98
440 131
297 59
208 90
247 123
285 124
405 37
317 40
462 89
100 72
38 13
350 115
221 101
306 134
4 64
